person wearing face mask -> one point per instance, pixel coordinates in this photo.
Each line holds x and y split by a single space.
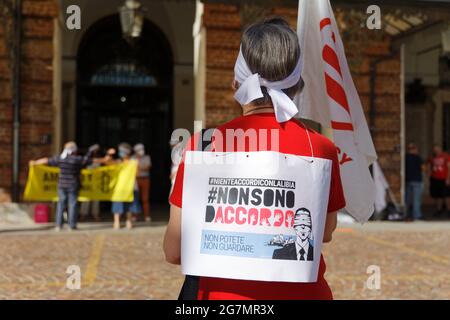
130 208
143 177
70 165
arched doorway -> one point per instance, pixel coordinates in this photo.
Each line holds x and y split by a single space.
124 93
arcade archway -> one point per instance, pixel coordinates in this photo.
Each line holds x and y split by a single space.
124 94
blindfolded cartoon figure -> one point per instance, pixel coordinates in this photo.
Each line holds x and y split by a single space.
302 249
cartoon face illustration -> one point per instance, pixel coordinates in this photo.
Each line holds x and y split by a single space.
302 248
302 224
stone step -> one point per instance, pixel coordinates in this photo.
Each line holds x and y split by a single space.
14 214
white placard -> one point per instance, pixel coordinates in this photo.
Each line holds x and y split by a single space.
254 215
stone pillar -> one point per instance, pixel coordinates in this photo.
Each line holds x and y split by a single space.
183 99
37 68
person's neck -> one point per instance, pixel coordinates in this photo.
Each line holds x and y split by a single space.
302 243
250 108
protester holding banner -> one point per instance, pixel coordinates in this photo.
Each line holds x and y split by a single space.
110 182
70 165
128 208
302 173
110 156
143 177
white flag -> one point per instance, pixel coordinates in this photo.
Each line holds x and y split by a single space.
381 185
330 98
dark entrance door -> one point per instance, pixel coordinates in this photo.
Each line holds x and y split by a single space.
125 95
446 126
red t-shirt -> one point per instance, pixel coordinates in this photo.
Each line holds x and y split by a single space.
439 166
293 139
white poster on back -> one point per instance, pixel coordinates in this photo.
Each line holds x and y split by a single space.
254 215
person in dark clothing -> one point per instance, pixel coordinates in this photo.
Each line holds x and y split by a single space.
70 165
414 167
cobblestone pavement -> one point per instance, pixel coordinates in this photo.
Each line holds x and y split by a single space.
414 261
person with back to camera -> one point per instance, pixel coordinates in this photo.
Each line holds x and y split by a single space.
70 165
267 77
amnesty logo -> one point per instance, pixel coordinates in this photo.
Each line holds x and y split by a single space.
108 183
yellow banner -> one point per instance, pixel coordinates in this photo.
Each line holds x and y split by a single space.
108 183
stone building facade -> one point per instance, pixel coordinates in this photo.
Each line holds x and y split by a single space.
37 89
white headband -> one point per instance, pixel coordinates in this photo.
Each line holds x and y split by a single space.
250 88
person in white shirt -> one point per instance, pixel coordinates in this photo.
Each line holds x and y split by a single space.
176 155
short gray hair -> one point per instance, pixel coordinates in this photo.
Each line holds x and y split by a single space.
125 146
271 49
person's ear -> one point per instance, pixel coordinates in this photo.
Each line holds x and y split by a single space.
235 85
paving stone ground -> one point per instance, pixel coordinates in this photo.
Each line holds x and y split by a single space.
414 261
